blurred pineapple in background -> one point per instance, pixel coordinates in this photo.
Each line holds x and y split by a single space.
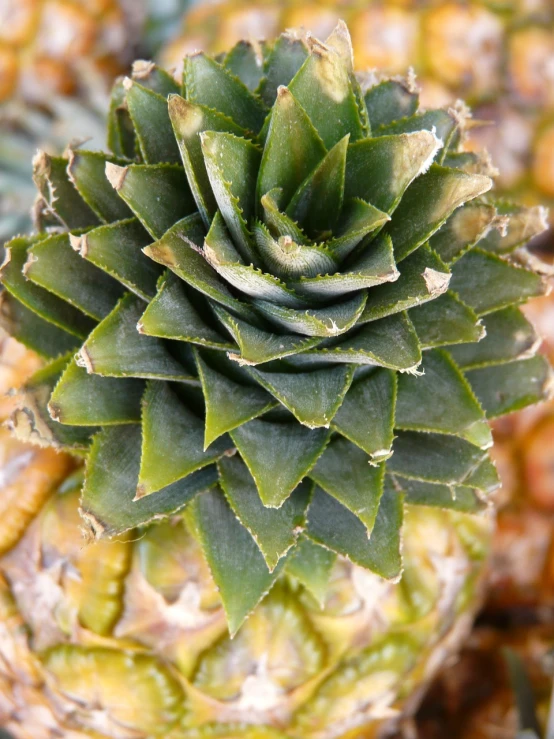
498 55
478 698
47 46
58 59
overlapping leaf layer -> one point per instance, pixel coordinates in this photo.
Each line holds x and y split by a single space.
281 299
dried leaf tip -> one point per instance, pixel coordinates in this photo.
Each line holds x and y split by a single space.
115 175
82 358
79 244
92 529
141 492
341 42
41 163
141 69
436 282
31 259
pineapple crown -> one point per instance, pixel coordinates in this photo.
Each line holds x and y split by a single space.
297 309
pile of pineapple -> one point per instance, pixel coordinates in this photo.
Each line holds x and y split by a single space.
278 314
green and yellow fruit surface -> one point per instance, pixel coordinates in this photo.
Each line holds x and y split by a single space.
277 316
47 46
496 55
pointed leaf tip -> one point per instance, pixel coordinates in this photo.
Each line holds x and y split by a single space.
115 175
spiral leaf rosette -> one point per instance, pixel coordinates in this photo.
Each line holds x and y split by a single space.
282 300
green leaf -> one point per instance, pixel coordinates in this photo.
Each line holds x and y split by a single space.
55 266
358 220
439 496
36 299
236 563
442 123
288 259
154 78
292 149
221 254
311 564
209 83
148 111
346 472
389 101
444 321
265 446
120 130
232 164
178 312
189 121
116 249
441 400
116 349
373 396
34 332
312 397
375 266
31 421
331 321
285 59
87 171
510 387
245 61
523 223
428 203
378 170
462 230
278 222
108 504
58 192
334 527
487 283
274 530
228 404
323 87
179 250
423 277
434 457
390 342
258 346
317 203
484 478
80 399
172 441
509 336
136 183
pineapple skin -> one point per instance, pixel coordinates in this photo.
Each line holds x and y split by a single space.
128 638
497 56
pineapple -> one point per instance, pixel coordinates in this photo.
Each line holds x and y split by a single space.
279 314
52 53
46 47
58 60
497 55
